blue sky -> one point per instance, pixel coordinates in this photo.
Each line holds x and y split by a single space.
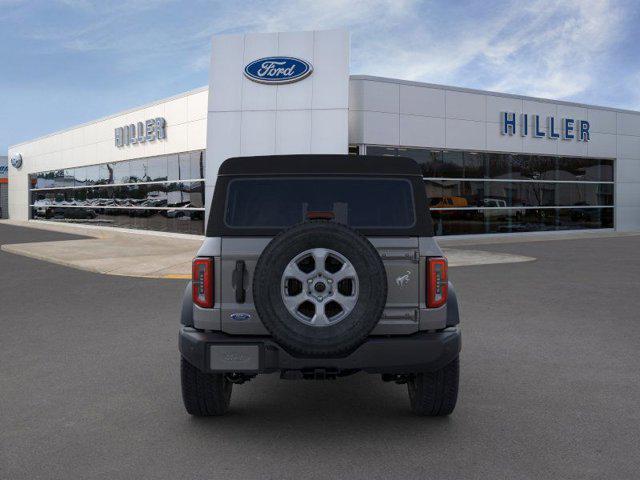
70 61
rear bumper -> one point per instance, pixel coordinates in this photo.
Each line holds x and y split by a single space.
219 352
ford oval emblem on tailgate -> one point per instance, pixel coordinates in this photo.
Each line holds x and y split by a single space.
277 70
240 316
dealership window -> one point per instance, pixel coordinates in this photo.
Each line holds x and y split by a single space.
481 192
163 193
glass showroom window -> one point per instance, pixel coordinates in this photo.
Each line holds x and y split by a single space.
479 192
157 193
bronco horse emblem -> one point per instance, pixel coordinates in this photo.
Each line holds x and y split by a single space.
403 280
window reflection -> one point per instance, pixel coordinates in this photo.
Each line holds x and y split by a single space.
196 194
157 169
513 220
138 171
387 151
499 165
173 167
156 195
92 175
430 161
606 171
80 176
58 178
551 193
44 180
105 174
197 165
121 172
191 222
458 164
540 201
458 193
184 166
133 193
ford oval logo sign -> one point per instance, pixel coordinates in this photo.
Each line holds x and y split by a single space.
278 70
16 160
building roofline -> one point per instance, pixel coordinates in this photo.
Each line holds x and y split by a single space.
117 114
488 92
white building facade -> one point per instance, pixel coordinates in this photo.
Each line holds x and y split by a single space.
492 163
4 187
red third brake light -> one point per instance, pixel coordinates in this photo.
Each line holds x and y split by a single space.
437 284
202 282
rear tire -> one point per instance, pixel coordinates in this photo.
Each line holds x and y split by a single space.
204 394
434 394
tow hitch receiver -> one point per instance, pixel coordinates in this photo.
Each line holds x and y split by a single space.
311 374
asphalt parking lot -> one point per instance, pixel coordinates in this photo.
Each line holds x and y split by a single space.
550 382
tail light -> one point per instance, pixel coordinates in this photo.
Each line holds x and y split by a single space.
202 282
437 283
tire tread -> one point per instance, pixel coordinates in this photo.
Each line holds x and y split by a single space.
204 394
435 394
275 322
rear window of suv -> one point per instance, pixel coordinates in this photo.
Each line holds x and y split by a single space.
365 203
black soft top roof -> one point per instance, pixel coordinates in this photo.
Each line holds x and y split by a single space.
320 164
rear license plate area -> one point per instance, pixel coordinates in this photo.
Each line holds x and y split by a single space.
234 358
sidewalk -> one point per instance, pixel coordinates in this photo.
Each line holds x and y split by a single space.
113 251
141 253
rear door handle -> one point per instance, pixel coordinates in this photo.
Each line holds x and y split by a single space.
238 281
413 255
401 314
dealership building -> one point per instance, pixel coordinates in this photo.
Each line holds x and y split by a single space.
4 187
492 162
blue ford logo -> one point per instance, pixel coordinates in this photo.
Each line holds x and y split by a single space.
16 160
277 70
240 317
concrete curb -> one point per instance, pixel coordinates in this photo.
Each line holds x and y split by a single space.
471 258
156 266
16 250
96 231
168 256
508 238
112 251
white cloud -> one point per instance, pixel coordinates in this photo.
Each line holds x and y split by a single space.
540 48
634 81
565 41
545 49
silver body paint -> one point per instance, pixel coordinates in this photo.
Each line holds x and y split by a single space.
404 259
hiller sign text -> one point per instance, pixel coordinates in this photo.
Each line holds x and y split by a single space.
525 124
147 131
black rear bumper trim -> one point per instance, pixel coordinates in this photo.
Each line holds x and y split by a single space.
420 352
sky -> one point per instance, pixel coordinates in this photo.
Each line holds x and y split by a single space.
66 62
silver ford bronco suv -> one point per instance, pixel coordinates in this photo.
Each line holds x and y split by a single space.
319 266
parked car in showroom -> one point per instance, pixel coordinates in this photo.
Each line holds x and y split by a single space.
317 267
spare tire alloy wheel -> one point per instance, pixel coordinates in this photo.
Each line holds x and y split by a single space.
320 287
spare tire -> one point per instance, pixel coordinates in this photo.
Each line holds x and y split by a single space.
320 288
